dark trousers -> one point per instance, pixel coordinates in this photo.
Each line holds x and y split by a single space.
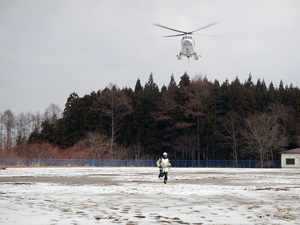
164 174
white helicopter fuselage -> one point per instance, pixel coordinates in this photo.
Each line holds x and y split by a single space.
187 41
187 48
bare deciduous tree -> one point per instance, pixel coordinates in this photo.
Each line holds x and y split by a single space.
166 104
52 113
120 152
38 151
138 152
24 126
37 118
116 106
286 117
8 119
228 131
187 145
1 131
262 135
21 125
29 124
100 144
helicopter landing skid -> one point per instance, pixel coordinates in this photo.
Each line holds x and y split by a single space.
179 57
196 57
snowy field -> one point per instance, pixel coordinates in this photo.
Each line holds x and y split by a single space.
135 195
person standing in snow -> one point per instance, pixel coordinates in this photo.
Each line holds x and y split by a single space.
164 165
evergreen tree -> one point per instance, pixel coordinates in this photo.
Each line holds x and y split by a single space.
48 132
78 119
272 94
282 93
35 136
144 125
194 107
249 83
215 108
184 80
138 86
165 116
183 83
240 99
153 138
261 95
164 88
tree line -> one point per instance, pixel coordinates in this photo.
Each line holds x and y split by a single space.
195 119
16 129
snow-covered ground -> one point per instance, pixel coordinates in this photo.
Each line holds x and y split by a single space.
135 195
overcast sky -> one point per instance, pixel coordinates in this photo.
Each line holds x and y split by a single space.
49 49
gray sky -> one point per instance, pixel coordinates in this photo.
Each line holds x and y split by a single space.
49 49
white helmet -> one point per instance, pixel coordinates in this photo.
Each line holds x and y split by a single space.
165 153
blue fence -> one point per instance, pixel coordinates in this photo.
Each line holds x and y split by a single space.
136 163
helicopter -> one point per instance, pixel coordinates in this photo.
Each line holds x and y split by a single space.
187 41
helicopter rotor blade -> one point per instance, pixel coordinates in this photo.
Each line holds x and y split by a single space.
176 35
169 28
206 35
209 25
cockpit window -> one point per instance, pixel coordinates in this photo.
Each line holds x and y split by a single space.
187 37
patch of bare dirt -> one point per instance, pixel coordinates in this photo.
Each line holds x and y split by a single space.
59 180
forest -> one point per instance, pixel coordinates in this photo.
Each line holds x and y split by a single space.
195 119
